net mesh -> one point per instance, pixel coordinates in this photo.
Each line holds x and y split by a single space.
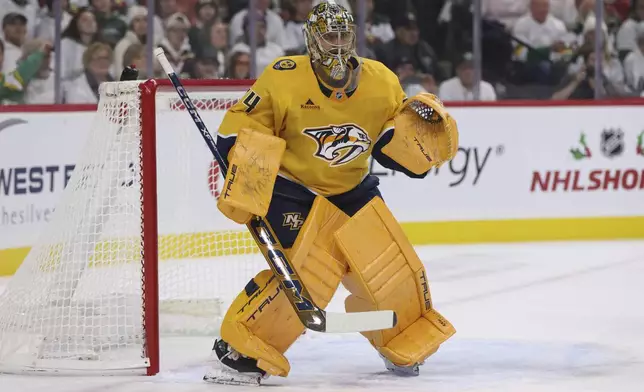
79 293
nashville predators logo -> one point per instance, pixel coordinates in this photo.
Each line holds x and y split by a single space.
339 144
293 220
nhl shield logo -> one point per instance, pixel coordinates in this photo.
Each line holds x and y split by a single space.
612 142
339 144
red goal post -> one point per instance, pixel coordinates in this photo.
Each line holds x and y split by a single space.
136 247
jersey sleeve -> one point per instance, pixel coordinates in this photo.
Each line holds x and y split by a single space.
255 110
398 97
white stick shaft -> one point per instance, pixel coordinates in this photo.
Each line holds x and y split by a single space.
163 60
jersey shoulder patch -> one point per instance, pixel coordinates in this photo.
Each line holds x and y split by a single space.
284 65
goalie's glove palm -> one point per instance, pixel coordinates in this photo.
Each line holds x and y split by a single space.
426 131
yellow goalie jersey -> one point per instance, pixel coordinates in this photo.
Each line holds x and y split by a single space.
329 134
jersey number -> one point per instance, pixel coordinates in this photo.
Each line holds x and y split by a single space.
251 101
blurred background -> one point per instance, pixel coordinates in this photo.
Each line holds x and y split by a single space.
59 51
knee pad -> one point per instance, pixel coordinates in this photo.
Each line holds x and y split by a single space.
386 274
261 322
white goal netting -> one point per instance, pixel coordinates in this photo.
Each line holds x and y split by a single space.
77 301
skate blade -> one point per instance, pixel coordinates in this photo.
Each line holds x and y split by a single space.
217 376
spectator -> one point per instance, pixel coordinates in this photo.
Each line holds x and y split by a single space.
206 65
379 30
207 13
137 34
97 61
543 33
79 34
238 65
40 89
216 37
634 65
46 27
611 66
175 44
408 44
274 24
26 8
14 27
504 11
581 85
293 33
111 27
266 52
412 82
164 10
461 87
13 85
626 36
566 11
135 55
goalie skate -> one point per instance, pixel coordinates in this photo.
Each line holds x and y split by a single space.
405 371
231 368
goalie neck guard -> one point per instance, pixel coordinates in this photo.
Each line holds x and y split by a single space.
329 33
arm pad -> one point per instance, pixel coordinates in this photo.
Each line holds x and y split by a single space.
254 162
425 135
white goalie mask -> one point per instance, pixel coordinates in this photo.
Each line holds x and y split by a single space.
329 33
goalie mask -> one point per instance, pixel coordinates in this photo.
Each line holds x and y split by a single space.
329 33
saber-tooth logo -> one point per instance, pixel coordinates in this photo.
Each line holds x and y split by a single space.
293 220
339 144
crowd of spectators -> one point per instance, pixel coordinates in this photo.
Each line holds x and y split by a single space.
532 49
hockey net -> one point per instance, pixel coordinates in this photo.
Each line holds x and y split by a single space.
136 247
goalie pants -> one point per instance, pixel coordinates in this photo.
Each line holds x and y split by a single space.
353 238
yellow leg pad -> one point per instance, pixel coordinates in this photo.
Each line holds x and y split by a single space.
420 340
385 273
316 257
263 325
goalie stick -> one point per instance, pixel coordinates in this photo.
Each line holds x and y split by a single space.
311 315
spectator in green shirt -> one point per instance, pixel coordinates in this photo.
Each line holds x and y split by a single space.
13 84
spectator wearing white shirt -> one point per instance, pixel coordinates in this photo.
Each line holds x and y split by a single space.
79 34
266 52
46 26
611 66
379 30
164 9
540 30
175 43
565 11
504 11
627 33
274 24
461 87
634 65
14 29
97 61
27 8
137 34
293 33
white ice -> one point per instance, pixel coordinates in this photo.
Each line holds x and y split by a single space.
529 317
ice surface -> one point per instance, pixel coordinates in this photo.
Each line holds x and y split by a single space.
529 317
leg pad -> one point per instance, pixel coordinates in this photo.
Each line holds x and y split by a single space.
385 273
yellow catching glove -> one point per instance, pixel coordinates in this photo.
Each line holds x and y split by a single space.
425 135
